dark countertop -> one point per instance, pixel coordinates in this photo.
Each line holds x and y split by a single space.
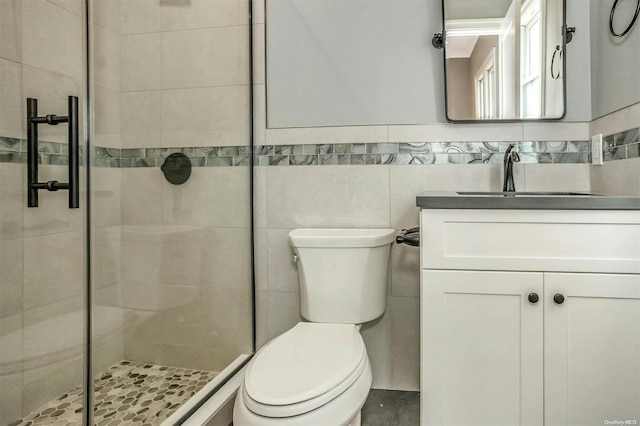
527 201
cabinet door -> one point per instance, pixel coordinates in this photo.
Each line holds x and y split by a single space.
481 348
592 349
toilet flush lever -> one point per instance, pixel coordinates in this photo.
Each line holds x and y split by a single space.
294 258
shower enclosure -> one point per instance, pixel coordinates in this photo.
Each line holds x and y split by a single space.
124 298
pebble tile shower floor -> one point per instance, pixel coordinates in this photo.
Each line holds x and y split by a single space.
128 393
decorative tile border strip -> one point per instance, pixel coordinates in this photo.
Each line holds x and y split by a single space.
621 146
418 153
421 153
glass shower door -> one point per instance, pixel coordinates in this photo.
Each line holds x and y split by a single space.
171 204
170 310
42 233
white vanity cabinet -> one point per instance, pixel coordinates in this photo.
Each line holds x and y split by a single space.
497 349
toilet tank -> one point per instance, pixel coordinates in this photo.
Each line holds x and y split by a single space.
343 273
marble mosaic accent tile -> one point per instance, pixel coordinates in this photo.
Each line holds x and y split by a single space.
622 145
417 153
128 393
12 157
10 144
420 153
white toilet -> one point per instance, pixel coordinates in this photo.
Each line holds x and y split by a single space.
318 372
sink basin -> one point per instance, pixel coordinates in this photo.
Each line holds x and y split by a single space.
527 194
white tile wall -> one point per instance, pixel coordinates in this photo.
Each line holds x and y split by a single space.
141 196
205 57
141 119
140 61
73 6
53 268
203 14
107 117
107 57
12 206
211 116
559 177
617 177
213 196
621 176
11 254
329 196
60 54
139 16
11 368
12 103
282 271
106 13
10 30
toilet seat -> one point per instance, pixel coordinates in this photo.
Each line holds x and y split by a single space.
303 369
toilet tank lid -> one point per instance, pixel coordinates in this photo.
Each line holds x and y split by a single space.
341 237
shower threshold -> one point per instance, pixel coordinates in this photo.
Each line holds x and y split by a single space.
128 393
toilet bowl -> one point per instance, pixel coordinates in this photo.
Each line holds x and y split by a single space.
318 372
313 374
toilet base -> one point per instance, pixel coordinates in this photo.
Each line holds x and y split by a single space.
344 410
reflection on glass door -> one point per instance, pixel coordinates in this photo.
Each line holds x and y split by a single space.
42 239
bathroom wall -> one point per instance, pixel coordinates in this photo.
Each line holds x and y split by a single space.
615 62
185 285
616 99
368 176
377 65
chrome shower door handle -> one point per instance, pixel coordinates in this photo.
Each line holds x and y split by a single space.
33 186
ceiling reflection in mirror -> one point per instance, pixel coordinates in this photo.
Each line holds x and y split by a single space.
504 59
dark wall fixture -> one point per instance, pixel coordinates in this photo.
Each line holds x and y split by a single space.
633 20
176 168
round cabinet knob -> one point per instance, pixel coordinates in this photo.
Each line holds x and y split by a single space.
533 298
558 299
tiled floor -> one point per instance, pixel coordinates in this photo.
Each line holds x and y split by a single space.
391 408
128 393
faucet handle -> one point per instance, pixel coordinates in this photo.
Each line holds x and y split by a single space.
515 157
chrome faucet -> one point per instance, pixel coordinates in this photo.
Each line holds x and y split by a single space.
510 157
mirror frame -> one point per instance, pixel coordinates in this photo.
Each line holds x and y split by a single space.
508 120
